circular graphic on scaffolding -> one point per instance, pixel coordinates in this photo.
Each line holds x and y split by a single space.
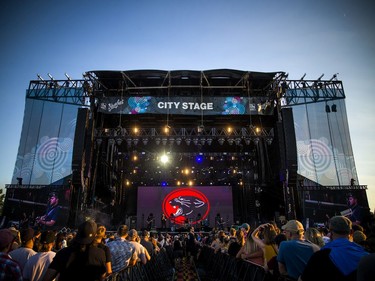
318 157
50 155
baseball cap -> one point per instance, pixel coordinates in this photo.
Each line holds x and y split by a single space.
6 237
27 234
47 237
340 225
246 226
293 226
86 232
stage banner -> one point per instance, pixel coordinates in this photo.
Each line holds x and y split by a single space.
187 105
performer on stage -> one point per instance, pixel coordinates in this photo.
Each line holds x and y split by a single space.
219 222
356 210
150 221
50 217
163 222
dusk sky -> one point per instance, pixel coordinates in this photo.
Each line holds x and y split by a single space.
295 36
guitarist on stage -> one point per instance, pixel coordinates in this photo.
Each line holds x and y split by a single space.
150 220
49 219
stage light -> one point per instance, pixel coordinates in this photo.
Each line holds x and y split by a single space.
164 183
203 141
221 141
164 141
145 141
229 130
135 141
199 158
164 159
188 141
129 142
269 140
247 141
99 141
334 108
178 183
171 141
238 141
119 141
257 130
157 141
178 141
195 141
135 130
328 108
190 183
209 141
230 141
200 128
167 128
256 141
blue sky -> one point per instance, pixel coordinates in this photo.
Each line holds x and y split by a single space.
296 36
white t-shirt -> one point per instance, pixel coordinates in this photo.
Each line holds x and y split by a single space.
37 265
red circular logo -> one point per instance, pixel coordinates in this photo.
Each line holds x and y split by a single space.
185 204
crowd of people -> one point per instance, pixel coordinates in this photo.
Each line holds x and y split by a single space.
339 251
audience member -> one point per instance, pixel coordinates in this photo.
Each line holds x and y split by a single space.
145 242
339 259
295 252
23 253
366 268
360 237
9 269
237 244
264 236
141 253
313 235
122 251
81 260
250 249
100 242
36 266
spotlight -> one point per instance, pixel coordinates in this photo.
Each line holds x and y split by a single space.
199 158
209 141
230 141
328 108
129 141
221 141
119 141
256 141
188 141
238 141
157 141
145 141
164 141
164 159
200 128
178 141
334 108
135 141
195 141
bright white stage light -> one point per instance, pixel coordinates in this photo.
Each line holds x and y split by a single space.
164 159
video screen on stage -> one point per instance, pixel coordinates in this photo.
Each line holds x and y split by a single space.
185 206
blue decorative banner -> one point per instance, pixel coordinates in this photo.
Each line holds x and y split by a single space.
187 105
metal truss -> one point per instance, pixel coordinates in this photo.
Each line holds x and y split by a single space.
298 92
332 187
61 91
199 135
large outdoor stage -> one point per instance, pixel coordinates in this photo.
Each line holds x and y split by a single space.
182 143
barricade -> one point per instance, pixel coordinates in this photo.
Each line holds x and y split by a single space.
222 267
159 268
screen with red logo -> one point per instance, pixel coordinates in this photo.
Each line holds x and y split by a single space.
185 206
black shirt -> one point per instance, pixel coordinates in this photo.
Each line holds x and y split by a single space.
320 267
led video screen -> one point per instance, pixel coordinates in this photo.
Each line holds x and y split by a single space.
185 205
